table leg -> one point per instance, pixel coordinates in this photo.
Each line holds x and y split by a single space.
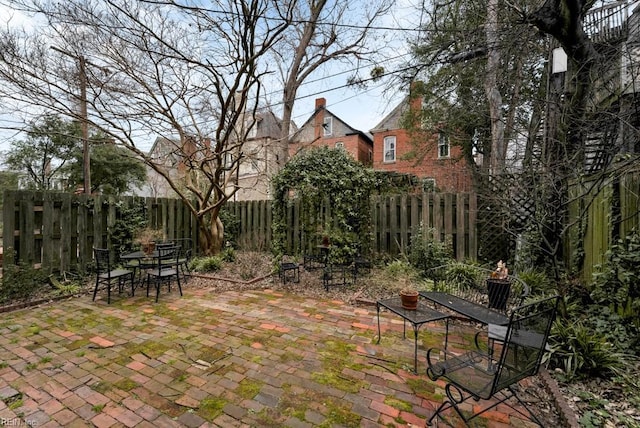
378 309
415 348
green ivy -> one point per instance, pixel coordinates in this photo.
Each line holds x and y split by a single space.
324 178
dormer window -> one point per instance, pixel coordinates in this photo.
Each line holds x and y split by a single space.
327 126
443 145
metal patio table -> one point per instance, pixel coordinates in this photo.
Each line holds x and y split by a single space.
416 317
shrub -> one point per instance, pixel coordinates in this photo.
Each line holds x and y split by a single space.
206 264
537 280
425 253
228 255
580 351
465 275
20 281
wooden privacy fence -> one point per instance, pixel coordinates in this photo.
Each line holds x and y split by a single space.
394 219
56 231
600 213
452 217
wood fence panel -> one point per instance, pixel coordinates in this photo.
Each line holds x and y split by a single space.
66 256
50 237
27 232
65 227
10 215
438 223
460 228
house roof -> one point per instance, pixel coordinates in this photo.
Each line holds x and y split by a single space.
392 120
310 122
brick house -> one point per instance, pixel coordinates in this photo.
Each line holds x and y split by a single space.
439 165
324 128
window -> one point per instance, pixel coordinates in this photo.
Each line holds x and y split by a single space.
443 145
390 149
327 126
339 145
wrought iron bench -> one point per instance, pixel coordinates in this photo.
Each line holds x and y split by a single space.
486 375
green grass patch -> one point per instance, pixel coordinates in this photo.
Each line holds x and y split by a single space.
77 344
3 364
424 389
248 388
210 408
339 414
125 384
335 356
97 408
398 404
101 387
149 349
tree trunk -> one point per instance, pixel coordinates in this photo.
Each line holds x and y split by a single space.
498 150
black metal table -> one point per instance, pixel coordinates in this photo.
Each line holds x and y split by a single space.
471 310
145 261
421 315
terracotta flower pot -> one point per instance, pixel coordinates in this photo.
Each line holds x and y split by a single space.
409 299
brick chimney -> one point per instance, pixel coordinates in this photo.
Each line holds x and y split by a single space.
319 120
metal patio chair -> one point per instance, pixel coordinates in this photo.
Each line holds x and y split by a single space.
106 273
166 268
482 374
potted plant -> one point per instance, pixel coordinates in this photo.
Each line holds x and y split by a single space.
409 298
146 238
499 287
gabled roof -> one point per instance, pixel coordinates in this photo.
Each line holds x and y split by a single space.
310 122
392 120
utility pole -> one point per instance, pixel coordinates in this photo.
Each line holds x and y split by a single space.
84 118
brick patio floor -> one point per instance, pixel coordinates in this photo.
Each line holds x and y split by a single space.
236 359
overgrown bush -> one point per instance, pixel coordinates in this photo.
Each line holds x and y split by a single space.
228 254
616 291
538 281
206 264
464 274
20 281
426 253
579 351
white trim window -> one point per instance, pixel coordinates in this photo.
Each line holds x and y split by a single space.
327 126
340 145
444 148
389 149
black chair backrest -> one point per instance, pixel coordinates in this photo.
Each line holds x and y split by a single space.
102 258
168 254
525 341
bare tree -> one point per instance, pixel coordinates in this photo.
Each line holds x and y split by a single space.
324 32
175 69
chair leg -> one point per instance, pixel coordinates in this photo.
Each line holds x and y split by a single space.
178 278
95 290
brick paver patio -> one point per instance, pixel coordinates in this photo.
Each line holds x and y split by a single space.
236 359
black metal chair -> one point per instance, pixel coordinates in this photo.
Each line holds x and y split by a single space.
483 374
106 273
165 270
289 272
334 275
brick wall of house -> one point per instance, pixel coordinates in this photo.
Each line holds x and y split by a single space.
451 174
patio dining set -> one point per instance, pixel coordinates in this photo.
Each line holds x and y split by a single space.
333 274
166 263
